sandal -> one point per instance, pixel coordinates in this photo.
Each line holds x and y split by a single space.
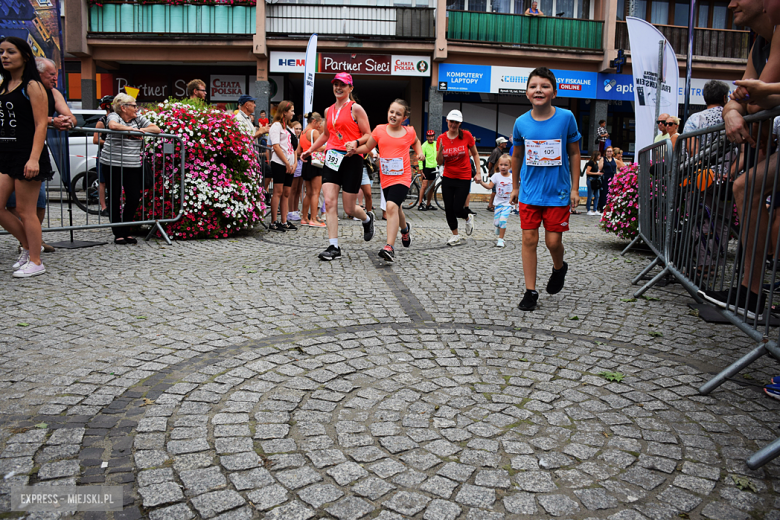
491 208
121 241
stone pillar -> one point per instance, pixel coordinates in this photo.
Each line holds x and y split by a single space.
88 84
598 111
435 107
262 88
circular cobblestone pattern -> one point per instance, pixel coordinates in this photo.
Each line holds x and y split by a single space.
442 424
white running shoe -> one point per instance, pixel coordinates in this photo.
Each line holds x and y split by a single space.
24 257
29 269
293 215
454 240
470 224
500 242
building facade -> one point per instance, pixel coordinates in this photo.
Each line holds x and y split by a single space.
473 55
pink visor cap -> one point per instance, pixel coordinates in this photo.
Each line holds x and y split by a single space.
344 78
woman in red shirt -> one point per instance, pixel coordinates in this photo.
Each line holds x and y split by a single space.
346 128
395 169
455 146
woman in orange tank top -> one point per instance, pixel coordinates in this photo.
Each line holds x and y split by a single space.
346 128
312 175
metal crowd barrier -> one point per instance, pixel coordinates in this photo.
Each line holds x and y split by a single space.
723 234
653 189
73 195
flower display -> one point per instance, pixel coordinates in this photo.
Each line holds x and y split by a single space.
621 214
223 183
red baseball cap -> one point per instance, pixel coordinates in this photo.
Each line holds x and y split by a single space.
430 132
344 78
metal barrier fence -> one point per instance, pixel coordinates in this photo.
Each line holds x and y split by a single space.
136 175
722 238
653 190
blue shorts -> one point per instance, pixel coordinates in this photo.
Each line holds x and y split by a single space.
41 198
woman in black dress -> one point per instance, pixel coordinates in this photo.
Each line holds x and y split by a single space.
25 164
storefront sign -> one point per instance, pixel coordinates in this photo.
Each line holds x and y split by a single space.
615 87
227 88
358 64
354 63
464 78
511 80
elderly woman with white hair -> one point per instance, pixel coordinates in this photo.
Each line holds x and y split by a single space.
121 156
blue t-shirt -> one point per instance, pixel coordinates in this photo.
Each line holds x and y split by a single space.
546 143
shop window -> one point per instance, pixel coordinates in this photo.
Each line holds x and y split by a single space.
659 12
681 13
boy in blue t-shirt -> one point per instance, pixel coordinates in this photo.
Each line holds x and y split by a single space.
547 155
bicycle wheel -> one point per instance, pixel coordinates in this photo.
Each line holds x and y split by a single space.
437 195
85 192
412 195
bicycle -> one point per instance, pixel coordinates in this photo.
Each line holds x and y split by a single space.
413 195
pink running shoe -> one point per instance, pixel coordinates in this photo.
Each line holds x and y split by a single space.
29 269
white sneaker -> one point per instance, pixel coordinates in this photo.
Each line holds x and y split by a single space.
599 213
293 215
470 224
454 240
500 242
29 269
24 257
590 213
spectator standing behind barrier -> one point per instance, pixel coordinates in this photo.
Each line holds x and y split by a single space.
311 174
196 90
25 164
246 107
293 202
456 146
608 169
283 163
603 135
710 234
593 183
99 139
672 127
121 156
619 162
534 10
661 122
492 167
63 122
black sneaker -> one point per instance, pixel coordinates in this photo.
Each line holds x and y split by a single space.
736 302
529 301
368 229
555 283
406 236
431 208
421 208
387 253
289 226
332 253
277 226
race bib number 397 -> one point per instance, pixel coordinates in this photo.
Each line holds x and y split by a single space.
543 153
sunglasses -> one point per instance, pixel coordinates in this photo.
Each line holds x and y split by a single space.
201 89
131 105
670 124
660 122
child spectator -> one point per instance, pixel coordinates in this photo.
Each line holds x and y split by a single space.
547 157
501 181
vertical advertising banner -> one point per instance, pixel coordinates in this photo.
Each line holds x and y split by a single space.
649 82
308 76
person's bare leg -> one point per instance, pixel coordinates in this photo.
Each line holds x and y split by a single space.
756 222
530 242
554 242
366 190
314 198
490 202
275 203
331 192
350 201
392 222
9 218
306 203
284 202
26 201
401 219
102 195
295 195
501 232
424 187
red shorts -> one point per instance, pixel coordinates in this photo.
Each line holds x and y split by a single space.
555 218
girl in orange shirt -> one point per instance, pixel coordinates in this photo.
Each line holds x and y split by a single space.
395 168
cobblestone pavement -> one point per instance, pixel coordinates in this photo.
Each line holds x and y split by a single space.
243 378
